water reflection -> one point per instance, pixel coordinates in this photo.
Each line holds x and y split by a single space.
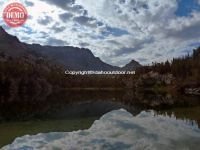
73 110
184 113
120 130
75 103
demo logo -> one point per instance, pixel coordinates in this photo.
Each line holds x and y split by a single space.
15 14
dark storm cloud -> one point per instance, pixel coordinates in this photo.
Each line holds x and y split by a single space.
158 55
28 3
137 47
86 21
84 44
65 16
71 9
128 50
189 32
122 1
113 42
195 44
77 9
57 29
55 42
25 38
43 34
45 20
60 3
68 5
82 19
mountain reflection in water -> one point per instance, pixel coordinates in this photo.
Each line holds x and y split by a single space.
68 111
120 130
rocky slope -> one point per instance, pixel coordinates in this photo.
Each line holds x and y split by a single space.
72 58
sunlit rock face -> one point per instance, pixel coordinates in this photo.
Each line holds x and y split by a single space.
119 130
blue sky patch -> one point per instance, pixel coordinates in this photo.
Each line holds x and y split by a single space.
185 7
115 31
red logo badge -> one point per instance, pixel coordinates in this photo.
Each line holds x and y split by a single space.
15 14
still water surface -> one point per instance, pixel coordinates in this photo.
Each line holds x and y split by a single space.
176 126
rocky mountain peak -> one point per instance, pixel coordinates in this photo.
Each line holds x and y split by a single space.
132 65
7 38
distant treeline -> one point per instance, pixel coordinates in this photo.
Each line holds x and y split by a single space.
26 77
185 69
31 78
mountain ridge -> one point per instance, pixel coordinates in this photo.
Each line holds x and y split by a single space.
132 65
72 58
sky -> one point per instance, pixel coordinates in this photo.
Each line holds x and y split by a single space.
117 31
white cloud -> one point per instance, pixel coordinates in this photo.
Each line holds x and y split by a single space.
115 30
